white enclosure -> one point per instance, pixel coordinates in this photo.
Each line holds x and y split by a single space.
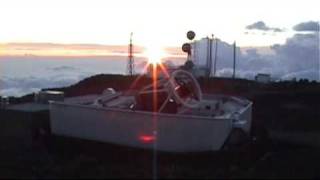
170 132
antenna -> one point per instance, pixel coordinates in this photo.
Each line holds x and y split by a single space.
130 65
210 55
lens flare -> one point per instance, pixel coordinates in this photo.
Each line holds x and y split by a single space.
154 54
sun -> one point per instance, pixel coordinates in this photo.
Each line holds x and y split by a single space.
154 54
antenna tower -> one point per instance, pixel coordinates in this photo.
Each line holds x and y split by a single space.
130 65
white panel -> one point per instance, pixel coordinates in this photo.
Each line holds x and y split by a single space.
175 134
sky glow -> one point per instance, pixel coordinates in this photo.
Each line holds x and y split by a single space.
164 22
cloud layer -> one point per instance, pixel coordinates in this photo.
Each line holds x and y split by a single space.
298 57
307 26
260 25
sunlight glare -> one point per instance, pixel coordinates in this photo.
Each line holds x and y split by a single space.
154 54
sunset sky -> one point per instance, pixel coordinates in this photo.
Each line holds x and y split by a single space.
55 43
153 22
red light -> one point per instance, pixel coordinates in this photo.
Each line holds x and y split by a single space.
146 138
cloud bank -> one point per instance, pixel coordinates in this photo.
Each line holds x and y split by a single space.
297 58
307 26
260 25
55 77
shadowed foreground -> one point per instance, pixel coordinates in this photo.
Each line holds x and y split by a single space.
71 158
279 109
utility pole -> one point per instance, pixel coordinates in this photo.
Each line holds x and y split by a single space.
210 55
215 57
234 60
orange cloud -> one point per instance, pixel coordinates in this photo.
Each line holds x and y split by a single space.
82 50
52 49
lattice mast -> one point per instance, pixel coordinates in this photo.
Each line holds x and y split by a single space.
130 65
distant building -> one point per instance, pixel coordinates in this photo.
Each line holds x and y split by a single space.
263 78
46 96
4 101
26 124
